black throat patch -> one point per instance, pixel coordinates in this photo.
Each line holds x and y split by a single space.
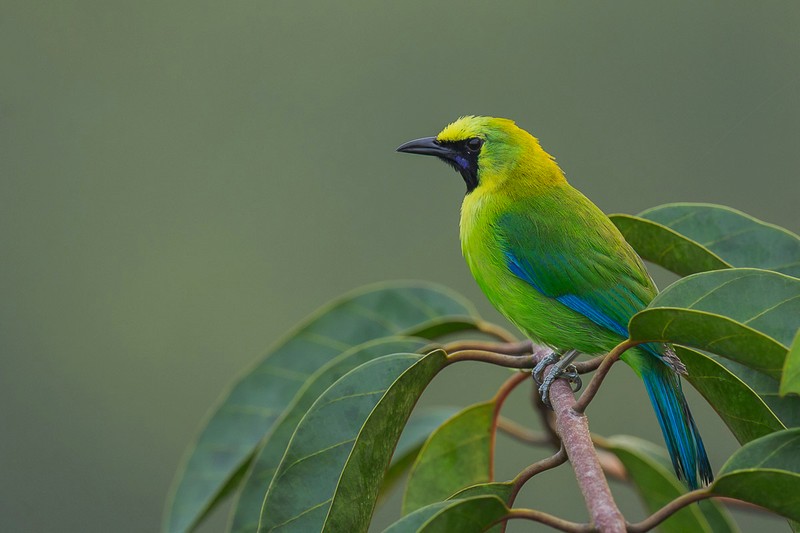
464 160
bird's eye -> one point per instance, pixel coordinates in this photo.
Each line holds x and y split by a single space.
474 144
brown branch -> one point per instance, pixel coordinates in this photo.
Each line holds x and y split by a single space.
571 433
548 520
499 399
668 510
574 431
594 385
546 418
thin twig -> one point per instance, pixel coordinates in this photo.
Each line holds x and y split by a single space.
594 385
548 520
508 361
499 399
508 348
495 331
520 433
558 458
584 367
668 510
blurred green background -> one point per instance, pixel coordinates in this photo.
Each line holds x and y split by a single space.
181 182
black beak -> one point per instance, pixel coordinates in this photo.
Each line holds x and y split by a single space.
426 146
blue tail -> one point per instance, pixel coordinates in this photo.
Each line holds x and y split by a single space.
680 432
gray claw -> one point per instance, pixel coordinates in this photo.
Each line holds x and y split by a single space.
544 390
546 361
571 373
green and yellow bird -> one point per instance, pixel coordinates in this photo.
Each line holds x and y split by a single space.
555 266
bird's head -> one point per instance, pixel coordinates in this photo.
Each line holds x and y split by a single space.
489 152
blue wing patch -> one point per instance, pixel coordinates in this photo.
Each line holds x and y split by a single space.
576 303
517 270
595 315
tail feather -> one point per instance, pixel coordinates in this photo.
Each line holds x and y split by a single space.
683 440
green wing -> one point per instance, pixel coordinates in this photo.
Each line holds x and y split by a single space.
586 266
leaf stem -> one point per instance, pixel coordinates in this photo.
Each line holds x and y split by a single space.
602 370
548 520
668 510
508 361
517 431
496 331
499 399
558 458
507 348
584 367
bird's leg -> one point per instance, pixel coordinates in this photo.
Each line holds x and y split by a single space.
546 361
563 368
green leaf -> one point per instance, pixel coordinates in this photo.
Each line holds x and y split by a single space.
422 423
743 411
649 469
744 314
736 237
765 472
464 515
663 246
500 489
455 456
329 477
787 409
246 412
790 381
247 510
444 326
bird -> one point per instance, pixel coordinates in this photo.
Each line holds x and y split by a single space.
557 268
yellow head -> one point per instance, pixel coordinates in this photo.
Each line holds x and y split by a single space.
490 153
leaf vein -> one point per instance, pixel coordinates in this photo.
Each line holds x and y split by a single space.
369 314
292 519
795 297
314 454
671 224
718 287
348 396
729 236
421 305
326 341
775 451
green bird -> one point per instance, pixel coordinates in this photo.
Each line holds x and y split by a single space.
554 264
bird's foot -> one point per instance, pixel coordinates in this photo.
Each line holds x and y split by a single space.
563 368
546 361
